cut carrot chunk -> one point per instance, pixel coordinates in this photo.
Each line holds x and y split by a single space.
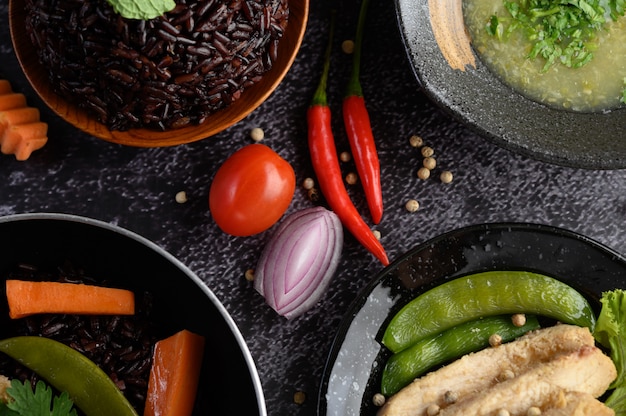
11 101
21 131
19 116
16 116
25 148
174 375
16 138
28 298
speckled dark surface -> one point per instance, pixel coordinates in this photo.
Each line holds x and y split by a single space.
135 188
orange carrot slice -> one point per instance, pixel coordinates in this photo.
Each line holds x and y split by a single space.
19 115
11 101
25 148
174 375
21 131
28 298
16 138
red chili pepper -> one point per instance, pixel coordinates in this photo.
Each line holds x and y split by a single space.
326 165
359 130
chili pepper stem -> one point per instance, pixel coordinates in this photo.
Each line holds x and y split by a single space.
320 98
354 85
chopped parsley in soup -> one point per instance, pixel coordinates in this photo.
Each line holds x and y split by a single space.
566 59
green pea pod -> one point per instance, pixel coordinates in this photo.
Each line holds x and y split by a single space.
68 370
486 294
446 346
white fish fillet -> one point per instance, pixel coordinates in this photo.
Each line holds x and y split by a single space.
587 370
573 403
479 371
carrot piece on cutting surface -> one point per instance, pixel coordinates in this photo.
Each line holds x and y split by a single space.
174 375
28 298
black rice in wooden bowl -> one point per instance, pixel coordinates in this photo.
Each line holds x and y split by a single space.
164 73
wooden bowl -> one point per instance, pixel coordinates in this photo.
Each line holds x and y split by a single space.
215 123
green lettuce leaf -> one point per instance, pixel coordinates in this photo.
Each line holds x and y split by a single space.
142 9
610 332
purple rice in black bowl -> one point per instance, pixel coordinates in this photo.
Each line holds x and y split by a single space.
165 73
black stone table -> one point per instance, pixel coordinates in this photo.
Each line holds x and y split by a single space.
136 187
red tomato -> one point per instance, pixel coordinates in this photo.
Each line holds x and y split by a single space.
251 190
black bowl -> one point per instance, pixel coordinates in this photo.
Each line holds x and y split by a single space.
477 98
354 368
229 382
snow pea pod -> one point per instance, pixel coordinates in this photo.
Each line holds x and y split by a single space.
405 366
68 370
485 294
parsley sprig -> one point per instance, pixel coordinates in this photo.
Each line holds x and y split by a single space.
560 31
40 402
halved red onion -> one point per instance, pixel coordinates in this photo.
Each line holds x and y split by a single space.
299 261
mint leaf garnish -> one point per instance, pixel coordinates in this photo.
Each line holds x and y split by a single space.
142 9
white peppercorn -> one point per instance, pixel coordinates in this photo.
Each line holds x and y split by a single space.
378 400
345 156
181 197
347 46
249 275
351 178
495 340
308 183
416 141
533 411
412 205
427 151
423 173
446 176
429 163
433 410
257 134
518 319
299 397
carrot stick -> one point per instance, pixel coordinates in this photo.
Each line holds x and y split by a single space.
28 298
174 375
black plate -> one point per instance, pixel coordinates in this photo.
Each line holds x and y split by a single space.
478 99
229 383
352 374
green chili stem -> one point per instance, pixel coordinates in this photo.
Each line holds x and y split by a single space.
320 94
354 85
